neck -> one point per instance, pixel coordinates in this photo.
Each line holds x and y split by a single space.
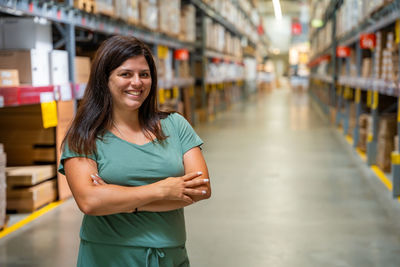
127 119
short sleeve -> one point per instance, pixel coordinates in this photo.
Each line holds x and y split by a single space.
187 136
67 153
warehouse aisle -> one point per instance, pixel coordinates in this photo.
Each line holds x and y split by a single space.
287 192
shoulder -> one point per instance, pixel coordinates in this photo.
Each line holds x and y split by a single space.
176 120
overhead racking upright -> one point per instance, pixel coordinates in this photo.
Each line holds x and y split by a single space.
187 82
355 78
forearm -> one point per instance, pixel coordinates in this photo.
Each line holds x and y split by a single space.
163 205
111 199
168 205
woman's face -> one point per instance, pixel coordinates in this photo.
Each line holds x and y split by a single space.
130 84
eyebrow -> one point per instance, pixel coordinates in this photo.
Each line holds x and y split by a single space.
125 69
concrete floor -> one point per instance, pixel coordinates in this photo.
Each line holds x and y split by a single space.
287 191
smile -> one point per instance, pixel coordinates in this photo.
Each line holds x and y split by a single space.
134 93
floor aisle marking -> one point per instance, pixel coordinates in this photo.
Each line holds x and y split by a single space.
381 175
378 172
33 216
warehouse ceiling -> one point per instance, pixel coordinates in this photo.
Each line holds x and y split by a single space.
289 7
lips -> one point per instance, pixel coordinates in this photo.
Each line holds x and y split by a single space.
134 92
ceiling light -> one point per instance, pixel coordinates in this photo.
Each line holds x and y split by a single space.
277 9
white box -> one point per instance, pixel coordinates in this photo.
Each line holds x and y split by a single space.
32 65
26 33
59 73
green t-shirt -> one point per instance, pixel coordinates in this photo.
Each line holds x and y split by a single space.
122 163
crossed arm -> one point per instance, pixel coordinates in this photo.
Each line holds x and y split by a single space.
171 193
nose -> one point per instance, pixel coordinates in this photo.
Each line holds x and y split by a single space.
136 81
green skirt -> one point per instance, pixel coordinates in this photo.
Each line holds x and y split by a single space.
104 255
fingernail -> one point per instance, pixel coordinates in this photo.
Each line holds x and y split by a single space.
204 192
206 180
93 176
199 173
95 182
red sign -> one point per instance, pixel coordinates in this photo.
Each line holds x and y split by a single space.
343 51
318 60
181 54
367 40
296 28
216 60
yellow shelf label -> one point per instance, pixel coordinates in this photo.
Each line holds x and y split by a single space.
395 158
161 95
162 52
220 86
167 94
398 111
175 92
370 137
376 100
214 87
49 114
397 31
358 95
369 98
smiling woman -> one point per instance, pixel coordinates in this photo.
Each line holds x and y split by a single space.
131 168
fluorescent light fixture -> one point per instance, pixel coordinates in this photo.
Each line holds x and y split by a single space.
277 9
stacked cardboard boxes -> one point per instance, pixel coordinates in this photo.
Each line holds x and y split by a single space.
148 12
188 23
363 123
3 186
127 10
9 77
25 140
387 132
169 17
30 187
390 60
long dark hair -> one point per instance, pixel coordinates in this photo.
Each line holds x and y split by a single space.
94 115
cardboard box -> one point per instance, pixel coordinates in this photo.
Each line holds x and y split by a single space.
105 7
29 175
9 77
387 125
32 65
65 116
59 72
26 34
86 5
149 14
82 69
385 149
27 199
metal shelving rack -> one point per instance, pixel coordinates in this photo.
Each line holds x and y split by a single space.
337 84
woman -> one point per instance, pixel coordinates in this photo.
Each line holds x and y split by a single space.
130 167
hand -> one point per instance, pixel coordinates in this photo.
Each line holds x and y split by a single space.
181 188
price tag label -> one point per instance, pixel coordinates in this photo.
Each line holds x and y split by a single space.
167 94
191 91
162 52
49 110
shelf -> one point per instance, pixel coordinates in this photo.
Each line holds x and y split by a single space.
323 78
366 84
60 13
210 12
215 54
216 80
177 82
380 19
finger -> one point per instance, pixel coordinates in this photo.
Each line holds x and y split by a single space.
194 183
191 176
188 199
100 180
95 182
194 192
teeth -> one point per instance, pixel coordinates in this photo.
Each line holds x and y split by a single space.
135 93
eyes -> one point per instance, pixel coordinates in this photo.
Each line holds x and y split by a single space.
129 74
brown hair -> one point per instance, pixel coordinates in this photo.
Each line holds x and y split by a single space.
94 115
